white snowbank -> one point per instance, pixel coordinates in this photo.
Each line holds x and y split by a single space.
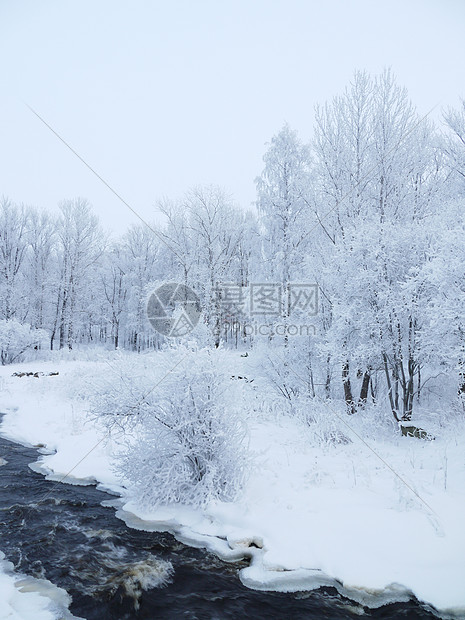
308 516
25 598
41 413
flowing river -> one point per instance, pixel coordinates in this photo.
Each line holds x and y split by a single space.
114 572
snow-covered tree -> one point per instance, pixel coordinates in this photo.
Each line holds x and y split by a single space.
379 164
282 201
80 245
207 233
115 283
13 250
17 338
443 333
455 142
140 247
42 266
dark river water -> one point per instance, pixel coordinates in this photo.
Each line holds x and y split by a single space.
113 572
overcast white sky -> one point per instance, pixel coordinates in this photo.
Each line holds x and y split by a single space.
159 96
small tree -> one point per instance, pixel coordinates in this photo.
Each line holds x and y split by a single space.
16 339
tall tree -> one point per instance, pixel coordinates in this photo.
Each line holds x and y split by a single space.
42 266
140 246
13 248
282 199
378 164
81 243
115 282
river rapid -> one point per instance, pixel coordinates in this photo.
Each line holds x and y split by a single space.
113 572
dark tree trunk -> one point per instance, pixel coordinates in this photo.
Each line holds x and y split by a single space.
461 387
328 378
408 392
389 385
347 388
364 388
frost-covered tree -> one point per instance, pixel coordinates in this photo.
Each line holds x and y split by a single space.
379 307
140 246
282 201
455 142
17 338
42 266
178 253
217 227
115 283
13 249
344 159
344 156
207 233
80 245
443 334
379 164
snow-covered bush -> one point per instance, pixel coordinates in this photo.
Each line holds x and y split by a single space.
184 436
17 338
284 370
324 421
329 425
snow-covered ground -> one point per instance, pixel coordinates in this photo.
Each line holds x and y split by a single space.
26 598
308 516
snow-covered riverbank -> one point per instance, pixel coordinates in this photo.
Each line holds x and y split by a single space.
308 516
25 598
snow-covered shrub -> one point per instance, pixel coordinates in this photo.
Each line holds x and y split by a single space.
17 338
283 369
326 421
184 431
329 425
117 393
375 422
